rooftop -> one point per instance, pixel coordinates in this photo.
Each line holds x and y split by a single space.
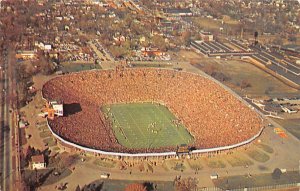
177 11
38 159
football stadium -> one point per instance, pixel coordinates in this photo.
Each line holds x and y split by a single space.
130 111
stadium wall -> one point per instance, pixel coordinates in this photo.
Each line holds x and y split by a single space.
198 151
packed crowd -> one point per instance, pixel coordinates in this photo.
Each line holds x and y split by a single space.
213 116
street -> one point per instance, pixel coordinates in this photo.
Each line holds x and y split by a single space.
6 76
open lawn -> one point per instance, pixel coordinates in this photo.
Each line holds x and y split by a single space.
215 163
41 124
207 23
146 125
262 84
195 164
235 160
43 128
188 55
266 148
66 67
258 155
160 65
174 164
49 141
105 163
211 24
45 134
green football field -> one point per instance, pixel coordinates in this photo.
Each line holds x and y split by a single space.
146 125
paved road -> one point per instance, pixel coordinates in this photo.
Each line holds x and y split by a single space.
6 127
5 151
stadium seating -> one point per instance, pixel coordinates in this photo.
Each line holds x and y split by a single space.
211 114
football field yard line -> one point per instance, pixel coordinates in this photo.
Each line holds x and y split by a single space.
144 111
173 127
147 113
146 125
164 122
129 125
143 123
136 124
120 126
154 139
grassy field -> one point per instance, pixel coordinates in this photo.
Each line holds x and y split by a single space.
177 165
258 155
262 84
215 25
207 23
146 125
49 141
195 164
235 160
265 148
215 163
105 163
45 134
161 65
78 67
43 128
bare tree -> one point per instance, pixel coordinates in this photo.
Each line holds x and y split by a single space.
186 37
209 69
245 84
187 184
135 187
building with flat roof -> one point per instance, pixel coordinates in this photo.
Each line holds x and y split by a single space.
26 54
178 12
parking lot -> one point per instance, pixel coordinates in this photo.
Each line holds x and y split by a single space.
99 51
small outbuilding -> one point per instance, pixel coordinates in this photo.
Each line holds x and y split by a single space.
214 176
38 162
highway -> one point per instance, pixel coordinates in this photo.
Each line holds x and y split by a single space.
6 127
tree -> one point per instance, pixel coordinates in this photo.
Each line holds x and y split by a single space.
30 152
186 37
128 20
159 42
221 77
276 174
278 40
292 38
269 90
118 51
135 187
209 69
245 84
77 188
187 184
255 36
145 43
